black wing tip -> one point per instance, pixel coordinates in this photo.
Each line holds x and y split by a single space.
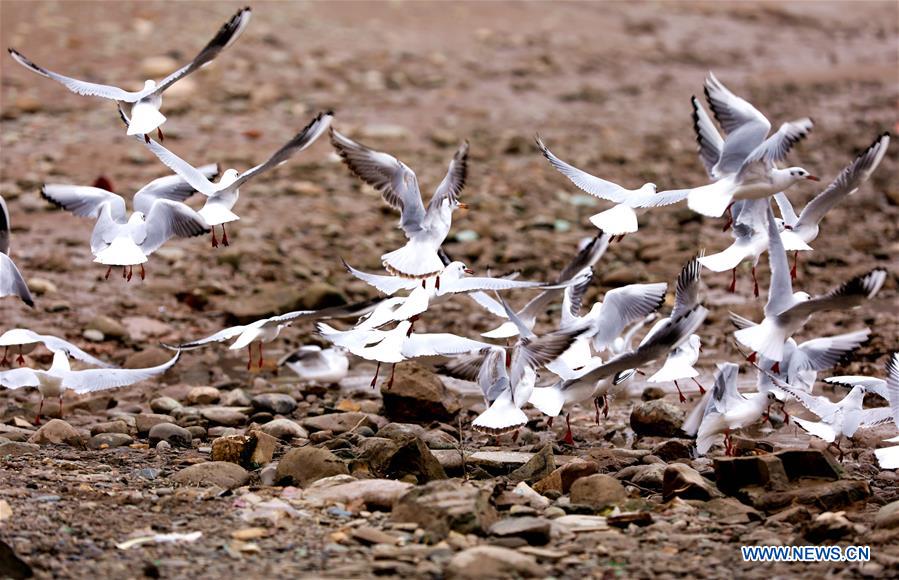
47 197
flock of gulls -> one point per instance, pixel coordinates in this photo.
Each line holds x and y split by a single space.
591 354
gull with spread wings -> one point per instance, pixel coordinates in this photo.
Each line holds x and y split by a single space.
11 281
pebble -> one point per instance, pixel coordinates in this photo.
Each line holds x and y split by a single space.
57 432
598 491
276 403
533 530
887 517
203 396
493 562
226 416
284 429
110 427
108 327
164 405
658 418
307 464
218 473
42 286
163 447
170 433
341 422
104 440
375 494
93 335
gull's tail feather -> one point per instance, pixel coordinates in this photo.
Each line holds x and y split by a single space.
727 259
712 200
216 214
414 260
792 242
766 339
548 400
145 118
888 457
121 252
818 429
503 416
619 220
674 369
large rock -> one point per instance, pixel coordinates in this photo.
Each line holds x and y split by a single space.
275 403
418 395
657 418
145 421
400 459
734 473
170 433
561 479
225 416
307 464
252 450
446 505
541 465
57 432
110 427
598 491
373 494
483 562
218 473
284 429
685 482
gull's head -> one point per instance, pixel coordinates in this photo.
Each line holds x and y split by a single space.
137 218
455 270
229 176
801 297
798 174
694 342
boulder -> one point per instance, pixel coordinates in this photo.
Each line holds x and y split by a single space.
446 505
341 422
598 491
304 465
657 418
685 482
218 473
373 494
541 465
57 432
400 459
418 395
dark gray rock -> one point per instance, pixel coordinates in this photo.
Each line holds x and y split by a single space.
170 433
275 403
446 505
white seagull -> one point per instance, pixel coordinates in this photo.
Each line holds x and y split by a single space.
27 340
746 167
723 409
11 281
888 457
60 377
786 312
223 194
313 363
621 219
424 228
127 241
146 102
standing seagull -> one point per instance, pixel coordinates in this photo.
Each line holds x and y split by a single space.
120 240
621 219
11 281
146 102
59 377
786 312
746 166
425 228
222 195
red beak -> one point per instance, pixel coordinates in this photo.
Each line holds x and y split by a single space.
469 271
463 205
812 178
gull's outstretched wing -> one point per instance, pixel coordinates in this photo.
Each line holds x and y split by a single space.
171 187
80 87
84 201
101 379
387 284
850 294
589 183
19 378
745 127
167 219
454 182
11 281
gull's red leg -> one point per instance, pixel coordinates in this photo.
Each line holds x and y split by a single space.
605 406
374 380
698 384
569 438
130 272
159 132
775 368
755 283
215 242
261 362
733 281
392 372
124 272
250 356
108 272
437 283
60 406
596 409
5 361
37 420
143 273
225 236
20 359
795 264
680 395
752 356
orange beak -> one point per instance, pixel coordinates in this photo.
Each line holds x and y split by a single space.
812 178
463 205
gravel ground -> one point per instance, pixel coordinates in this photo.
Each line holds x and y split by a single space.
606 84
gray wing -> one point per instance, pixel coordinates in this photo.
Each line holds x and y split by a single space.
850 294
722 394
820 406
387 284
707 137
11 281
780 291
537 352
79 87
823 353
893 385
167 219
573 300
225 37
84 201
622 306
482 283
740 322
291 316
219 336
454 181
171 187
18 378
589 183
101 379
56 344
393 178
745 127
686 291
492 376
786 209
4 227
300 141
847 182
777 146
466 367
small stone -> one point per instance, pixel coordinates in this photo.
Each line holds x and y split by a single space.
307 464
685 482
5 510
236 398
203 396
598 491
163 447
218 473
887 517
728 511
408 457
563 477
170 433
400 431
284 429
641 518
93 335
109 440
418 394
247 534
673 449
371 536
830 526
145 421
375 494
534 531
492 562
226 416
109 327
340 422
445 505
41 286
657 418
164 405
541 465
275 403
57 432
110 427
251 450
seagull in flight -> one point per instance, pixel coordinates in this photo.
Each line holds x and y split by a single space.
27 340
223 194
11 281
122 240
146 102
746 166
426 229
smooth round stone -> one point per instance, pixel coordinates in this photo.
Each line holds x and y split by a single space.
164 405
227 416
110 439
172 434
197 431
284 429
203 396
275 403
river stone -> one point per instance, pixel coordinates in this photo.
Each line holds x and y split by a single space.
275 403
284 429
598 491
218 473
57 432
657 418
109 440
418 395
307 464
172 434
483 562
